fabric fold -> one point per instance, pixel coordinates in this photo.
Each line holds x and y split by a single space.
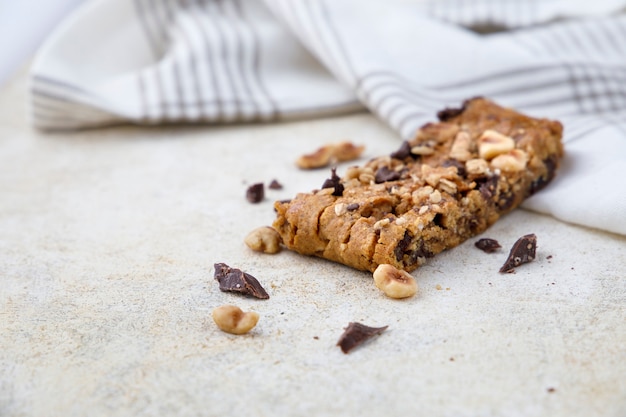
234 61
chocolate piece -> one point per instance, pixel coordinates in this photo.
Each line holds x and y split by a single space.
255 193
551 164
384 174
403 152
334 182
488 188
523 251
450 113
275 185
235 280
400 250
487 245
352 206
357 333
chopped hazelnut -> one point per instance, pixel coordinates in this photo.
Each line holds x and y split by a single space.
476 166
461 147
394 282
511 161
422 150
435 197
381 223
447 186
341 208
492 143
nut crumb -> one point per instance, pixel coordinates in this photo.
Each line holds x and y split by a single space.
330 153
231 319
341 208
264 239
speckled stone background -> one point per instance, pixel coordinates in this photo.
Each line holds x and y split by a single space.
107 242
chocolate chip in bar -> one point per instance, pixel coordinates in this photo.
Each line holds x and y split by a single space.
403 152
384 174
275 185
487 245
235 280
255 193
356 334
523 251
352 206
334 182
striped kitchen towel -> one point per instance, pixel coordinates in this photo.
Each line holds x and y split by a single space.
226 61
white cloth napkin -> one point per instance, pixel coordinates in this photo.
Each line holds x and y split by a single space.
225 61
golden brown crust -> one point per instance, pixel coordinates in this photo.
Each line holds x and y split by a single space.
449 183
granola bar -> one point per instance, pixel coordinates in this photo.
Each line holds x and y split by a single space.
452 181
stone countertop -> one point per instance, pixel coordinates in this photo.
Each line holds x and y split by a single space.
107 245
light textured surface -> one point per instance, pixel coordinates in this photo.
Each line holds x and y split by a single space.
106 250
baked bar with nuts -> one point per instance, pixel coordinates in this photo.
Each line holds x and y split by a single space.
452 181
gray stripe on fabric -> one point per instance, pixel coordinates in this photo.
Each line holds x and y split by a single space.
256 60
178 90
218 116
216 18
239 51
139 9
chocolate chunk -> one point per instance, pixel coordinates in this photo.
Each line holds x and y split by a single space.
488 188
400 250
357 333
523 251
506 201
255 193
235 280
487 245
403 152
420 252
541 182
352 206
385 174
275 185
334 182
449 113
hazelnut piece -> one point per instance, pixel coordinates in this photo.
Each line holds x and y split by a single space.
511 161
394 282
263 239
492 143
327 154
231 319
